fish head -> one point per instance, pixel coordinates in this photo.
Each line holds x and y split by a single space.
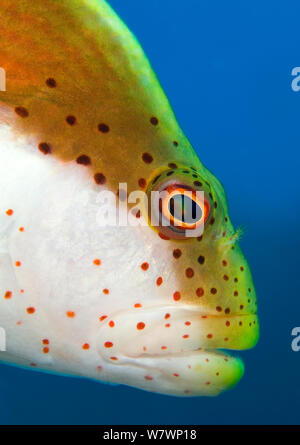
193 290
151 296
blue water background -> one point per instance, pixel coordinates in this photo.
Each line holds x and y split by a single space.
226 67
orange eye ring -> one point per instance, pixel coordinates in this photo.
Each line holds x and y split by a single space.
185 193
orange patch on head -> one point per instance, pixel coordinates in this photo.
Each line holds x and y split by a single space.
159 281
145 266
176 296
70 314
30 310
97 262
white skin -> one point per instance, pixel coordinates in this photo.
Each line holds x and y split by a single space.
49 245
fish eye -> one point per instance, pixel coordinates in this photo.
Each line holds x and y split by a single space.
180 207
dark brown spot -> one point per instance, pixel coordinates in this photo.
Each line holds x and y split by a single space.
154 120
198 184
227 310
45 148
71 120
226 277
83 160
51 83
142 182
189 272
218 309
213 290
103 128
100 178
201 259
21 111
175 143
177 253
147 158
172 165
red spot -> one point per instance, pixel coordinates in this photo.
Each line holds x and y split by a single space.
9 212
103 317
99 368
167 316
140 325
199 292
70 314
163 347
46 350
227 323
187 323
106 291
45 341
207 383
114 358
145 266
97 262
111 324
8 294
108 344
22 291
176 296
86 346
209 336
159 281
148 377
21 229
185 336
137 305
30 310
167 325
18 264
175 374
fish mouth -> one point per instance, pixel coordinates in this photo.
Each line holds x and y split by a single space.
169 341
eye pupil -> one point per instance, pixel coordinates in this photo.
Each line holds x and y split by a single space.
185 209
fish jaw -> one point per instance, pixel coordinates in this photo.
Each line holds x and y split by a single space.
175 350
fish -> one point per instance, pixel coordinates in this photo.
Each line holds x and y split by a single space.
84 124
